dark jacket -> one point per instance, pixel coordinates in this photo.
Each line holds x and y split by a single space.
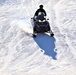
40 10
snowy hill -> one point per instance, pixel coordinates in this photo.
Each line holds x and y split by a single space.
20 54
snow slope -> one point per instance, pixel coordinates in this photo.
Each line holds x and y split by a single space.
20 54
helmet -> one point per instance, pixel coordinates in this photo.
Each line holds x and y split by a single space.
41 6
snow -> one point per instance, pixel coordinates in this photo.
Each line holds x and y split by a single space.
20 54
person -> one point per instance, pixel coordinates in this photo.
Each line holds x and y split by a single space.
40 10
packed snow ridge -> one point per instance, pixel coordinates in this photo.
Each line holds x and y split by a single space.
20 54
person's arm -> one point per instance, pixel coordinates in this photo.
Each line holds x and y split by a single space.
36 13
45 12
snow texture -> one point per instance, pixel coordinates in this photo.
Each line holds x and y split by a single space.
20 54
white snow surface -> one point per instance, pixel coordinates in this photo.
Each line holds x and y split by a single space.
20 54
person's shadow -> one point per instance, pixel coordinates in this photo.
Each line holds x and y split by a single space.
46 43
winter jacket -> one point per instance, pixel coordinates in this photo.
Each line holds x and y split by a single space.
40 10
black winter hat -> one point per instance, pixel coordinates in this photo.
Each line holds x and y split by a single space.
41 6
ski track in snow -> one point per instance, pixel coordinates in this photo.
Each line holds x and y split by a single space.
20 53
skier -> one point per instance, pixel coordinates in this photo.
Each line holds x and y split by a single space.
40 10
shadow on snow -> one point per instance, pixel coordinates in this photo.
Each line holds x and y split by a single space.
46 43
